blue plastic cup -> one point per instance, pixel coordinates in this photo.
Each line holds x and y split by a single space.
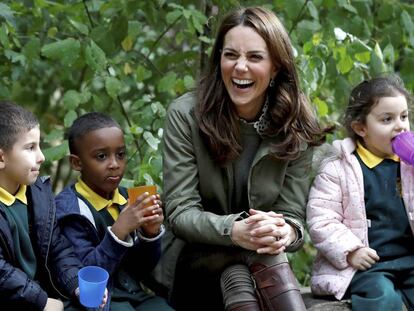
92 284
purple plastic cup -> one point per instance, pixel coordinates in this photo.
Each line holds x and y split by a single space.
403 146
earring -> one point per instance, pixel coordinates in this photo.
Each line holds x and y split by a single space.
272 83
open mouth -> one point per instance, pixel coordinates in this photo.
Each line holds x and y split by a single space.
242 84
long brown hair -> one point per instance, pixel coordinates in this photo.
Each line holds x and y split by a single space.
292 117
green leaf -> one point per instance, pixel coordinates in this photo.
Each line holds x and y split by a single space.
313 11
345 4
15 57
167 82
407 22
7 14
189 82
345 64
56 152
4 39
67 51
321 106
377 61
95 57
172 16
197 25
389 53
127 183
364 57
134 28
148 179
55 134
82 28
70 116
32 49
113 86
142 73
151 140
71 99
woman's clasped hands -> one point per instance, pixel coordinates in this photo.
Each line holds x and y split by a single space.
264 232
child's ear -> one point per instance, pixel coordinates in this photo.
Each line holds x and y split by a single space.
359 128
2 162
75 162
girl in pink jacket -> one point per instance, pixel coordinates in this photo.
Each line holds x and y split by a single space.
360 211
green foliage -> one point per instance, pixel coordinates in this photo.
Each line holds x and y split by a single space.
131 58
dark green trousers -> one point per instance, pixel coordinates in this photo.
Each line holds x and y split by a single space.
385 286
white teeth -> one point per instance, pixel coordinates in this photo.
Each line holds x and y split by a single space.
242 82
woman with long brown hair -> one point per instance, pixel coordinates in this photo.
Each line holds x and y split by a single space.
237 157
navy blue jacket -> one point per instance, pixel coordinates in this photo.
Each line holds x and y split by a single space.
57 265
102 250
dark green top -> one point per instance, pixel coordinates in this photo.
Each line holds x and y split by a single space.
389 231
17 217
250 141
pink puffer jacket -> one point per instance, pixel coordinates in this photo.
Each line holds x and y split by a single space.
336 217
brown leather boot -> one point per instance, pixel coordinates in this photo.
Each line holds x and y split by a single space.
277 288
245 306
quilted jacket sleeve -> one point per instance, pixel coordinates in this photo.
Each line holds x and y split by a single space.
16 287
325 217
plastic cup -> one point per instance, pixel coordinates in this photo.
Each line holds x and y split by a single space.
92 284
403 146
134 193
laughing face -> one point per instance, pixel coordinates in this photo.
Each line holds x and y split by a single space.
246 69
21 164
101 159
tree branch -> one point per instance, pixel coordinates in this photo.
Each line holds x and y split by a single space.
298 17
88 13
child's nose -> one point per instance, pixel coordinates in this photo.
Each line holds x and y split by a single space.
40 157
114 163
401 126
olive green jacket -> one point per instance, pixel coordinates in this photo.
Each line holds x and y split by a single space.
197 192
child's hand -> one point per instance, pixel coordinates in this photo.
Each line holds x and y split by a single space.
53 305
135 215
152 228
362 258
104 298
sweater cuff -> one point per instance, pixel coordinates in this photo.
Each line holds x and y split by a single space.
142 237
128 243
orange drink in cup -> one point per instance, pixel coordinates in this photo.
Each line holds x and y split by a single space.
134 193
